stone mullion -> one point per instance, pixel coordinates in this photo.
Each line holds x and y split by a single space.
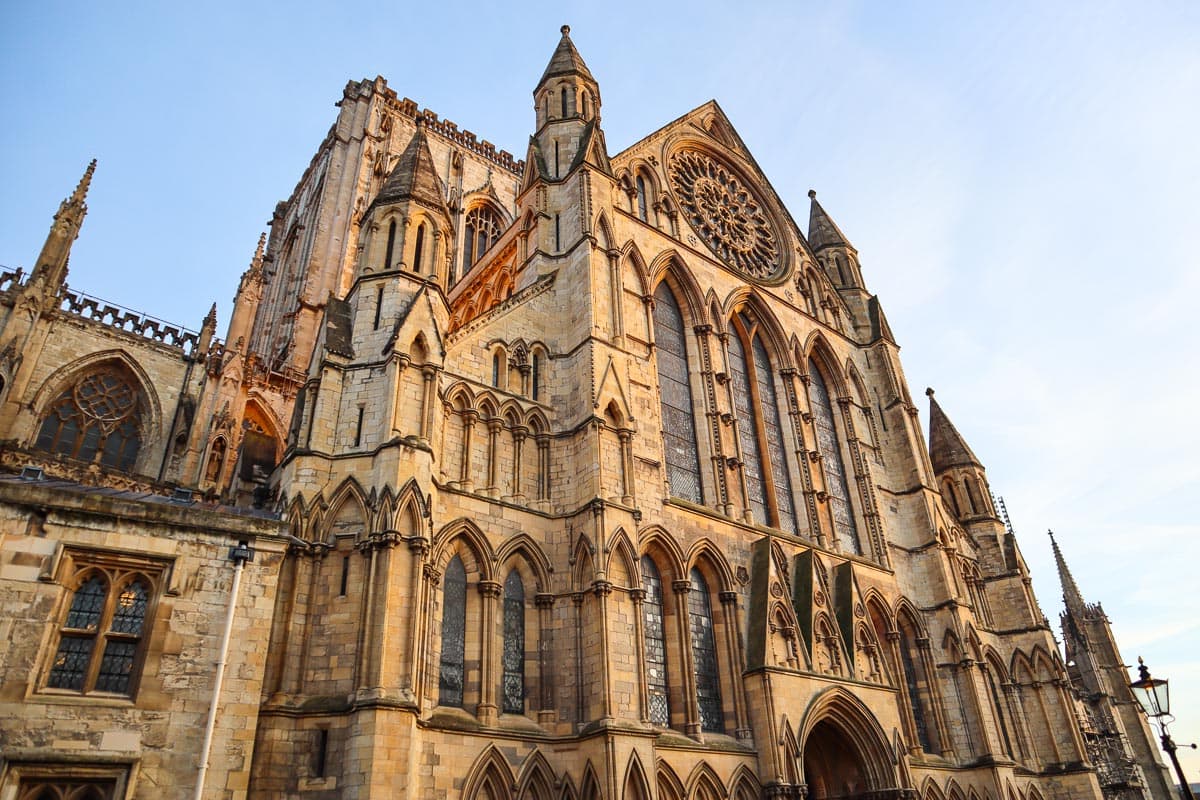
1008 692
493 465
862 477
1067 706
362 664
430 579
790 376
991 741
580 702
418 548
617 292
627 484
712 415
936 705
908 714
1036 690
733 649
519 435
738 461
813 495
319 553
545 611
639 634
691 702
469 418
543 449
489 673
292 582
603 589
428 376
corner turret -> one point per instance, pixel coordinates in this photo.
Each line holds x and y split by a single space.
567 105
960 475
833 250
50 271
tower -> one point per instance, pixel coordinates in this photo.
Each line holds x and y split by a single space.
1118 737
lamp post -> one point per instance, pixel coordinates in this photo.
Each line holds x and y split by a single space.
1155 698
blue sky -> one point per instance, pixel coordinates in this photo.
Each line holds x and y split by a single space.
1021 180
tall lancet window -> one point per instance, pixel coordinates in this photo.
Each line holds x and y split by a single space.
419 248
656 644
845 530
760 429
391 245
674 386
513 685
454 634
704 655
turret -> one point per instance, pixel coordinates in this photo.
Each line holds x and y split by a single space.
408 225
208 329
50 271
960 475
567 104
832 249
245 303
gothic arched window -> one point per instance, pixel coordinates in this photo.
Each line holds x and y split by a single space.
768 483
391 245
535 377
96 419
641 199
845 530
656 645
990 671
916 683
513 682
419 247
100 638
704 655
454 634
482 230
674 386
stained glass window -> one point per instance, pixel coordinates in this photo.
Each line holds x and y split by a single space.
513 681
641 198
656 644
678 421
773 428
454 631
747 416
94 420
704 655
105 624
914 692
482 229
845 530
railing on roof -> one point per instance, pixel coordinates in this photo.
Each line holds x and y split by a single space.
134 322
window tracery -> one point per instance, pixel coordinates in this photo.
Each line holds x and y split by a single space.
513 679
704 655
656 644
96 420
680 448
845 530
483 228
454 631
760 429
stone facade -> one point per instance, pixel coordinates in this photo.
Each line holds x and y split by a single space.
592 475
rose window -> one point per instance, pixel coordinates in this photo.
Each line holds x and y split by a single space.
726 214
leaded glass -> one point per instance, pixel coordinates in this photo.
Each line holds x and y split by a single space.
678 423
914 694
845 530
747 416
513 687
773 428
704 655
454 629
482 230
71 663
88 604
131 609
98 415
656 644
116 667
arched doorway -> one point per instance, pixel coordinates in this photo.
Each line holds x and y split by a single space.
832 764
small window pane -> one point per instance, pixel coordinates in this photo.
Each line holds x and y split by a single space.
116 667
87 604
71 663
514 645
704 655
131 609
656 644
454 627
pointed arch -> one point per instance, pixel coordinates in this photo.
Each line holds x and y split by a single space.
664 548
536 778
590 788
348 509
584 572
490 777
681 443
930 790
633 258
838 717
743 784
622 558
636 786
704 784
705 555
670 268
466 532
524 547
669 785
790 752
607 240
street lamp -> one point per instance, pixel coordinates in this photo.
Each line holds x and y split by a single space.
1155 698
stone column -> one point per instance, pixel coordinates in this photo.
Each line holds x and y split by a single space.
639 634
489 674
519 435
691 703
546 677
428 375
470 416
627 482
733 650
493 468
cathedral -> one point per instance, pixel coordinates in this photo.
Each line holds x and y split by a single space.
579 476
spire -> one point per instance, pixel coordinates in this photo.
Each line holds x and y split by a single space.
50 271
822 231
208 329
1072 598
414 177
565 61
253 273
947 448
